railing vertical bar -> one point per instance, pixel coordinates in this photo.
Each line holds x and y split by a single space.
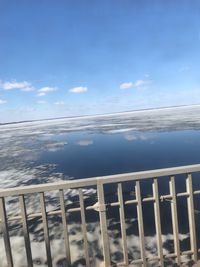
157 221
46 230
140 223
26 231
103 224
191 217
122 222
65 226
175 219
5 232
84 230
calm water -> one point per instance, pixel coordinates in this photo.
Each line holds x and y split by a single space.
93 154
41 157
89 154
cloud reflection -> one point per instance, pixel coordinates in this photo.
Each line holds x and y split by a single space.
85 142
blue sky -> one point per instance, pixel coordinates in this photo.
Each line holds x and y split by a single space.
68 58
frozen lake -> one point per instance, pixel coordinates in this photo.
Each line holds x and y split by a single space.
62 149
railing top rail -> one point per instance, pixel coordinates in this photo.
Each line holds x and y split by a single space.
16 191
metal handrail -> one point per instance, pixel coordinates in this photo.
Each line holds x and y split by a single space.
100 207
16 191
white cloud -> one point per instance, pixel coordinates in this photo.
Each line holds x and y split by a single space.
41 94
127 85
139 83
44 90
78 90
59 103
23 86
41 102
47 89
2 101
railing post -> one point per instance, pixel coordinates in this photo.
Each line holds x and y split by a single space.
65 227
191 217
157 221
26 231
175 220
103 224
5 231
140 223
122 222
84 229
46 230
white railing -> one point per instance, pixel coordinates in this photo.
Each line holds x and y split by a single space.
100 206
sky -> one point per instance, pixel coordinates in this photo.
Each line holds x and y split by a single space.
75 57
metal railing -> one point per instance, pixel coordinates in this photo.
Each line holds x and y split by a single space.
99 183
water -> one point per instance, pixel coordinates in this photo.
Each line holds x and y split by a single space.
92 154
43 152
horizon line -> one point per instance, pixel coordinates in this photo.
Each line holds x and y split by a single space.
98 114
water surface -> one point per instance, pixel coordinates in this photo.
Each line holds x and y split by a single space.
50 151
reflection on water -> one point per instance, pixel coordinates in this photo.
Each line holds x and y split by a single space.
93 154
61 150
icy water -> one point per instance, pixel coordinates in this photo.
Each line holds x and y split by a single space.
89 154
49 151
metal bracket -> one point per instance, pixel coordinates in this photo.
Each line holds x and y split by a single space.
98 207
